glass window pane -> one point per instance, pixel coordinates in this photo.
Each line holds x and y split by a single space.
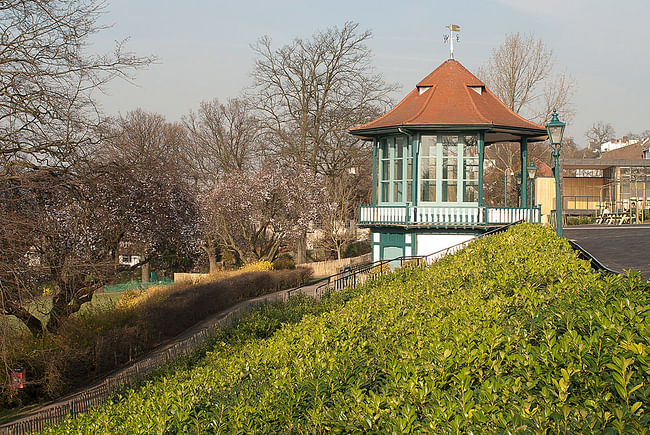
471 193
428 192
385 167
428 169
399 146
449 191
399 168
450 142
449 168
470 169
409 190
471 146
409 169
397 192
429 146
383 148
384 192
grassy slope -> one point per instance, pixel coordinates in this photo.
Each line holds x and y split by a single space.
512 334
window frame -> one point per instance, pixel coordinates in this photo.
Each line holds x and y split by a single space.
440 181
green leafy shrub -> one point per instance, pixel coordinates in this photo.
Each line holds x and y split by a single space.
512 334
357 248
284 261
580 220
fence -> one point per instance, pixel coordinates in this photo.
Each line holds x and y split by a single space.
327 268
95 396
446 216
193 278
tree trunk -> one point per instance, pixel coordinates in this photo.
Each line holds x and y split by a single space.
301 251
32 323
145 272
212 258
211 252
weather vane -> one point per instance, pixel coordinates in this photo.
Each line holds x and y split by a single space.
453 28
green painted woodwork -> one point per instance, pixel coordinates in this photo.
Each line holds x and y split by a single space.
481 156
524 171
416 181
448 167
392 240
375 145
395 164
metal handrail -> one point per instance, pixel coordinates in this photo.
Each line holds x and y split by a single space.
353 274
593 261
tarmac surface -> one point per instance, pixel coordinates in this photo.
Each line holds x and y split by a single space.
619 247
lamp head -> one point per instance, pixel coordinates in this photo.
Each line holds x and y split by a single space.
555 130
532 170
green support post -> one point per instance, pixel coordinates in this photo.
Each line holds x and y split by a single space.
375 145
558 194
524 171
415 174
481 146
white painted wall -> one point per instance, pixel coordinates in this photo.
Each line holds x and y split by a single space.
430 243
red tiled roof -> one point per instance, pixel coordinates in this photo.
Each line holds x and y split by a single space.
450 100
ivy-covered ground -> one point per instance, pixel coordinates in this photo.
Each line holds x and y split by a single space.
513 334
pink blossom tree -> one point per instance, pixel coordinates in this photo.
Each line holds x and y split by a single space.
256 214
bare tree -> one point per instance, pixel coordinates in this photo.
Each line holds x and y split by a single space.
47 113
521 73
599 132
222 137
143 141
505 159
310 91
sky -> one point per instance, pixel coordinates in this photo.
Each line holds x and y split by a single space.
204 47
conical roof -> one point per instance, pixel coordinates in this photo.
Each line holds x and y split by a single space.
452 97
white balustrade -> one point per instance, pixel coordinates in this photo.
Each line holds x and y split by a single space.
432 215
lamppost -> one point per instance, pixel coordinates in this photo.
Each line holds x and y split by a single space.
532 171
555 129
505 185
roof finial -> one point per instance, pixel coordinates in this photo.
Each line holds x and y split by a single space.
452 28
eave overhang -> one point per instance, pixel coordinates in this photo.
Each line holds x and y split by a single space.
493 133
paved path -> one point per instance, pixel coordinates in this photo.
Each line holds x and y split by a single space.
619 247
222 318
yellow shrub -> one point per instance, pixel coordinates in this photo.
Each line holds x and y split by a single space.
128 300
258 266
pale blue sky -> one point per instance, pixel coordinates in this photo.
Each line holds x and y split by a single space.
204 46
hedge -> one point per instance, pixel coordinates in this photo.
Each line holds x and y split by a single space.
512 334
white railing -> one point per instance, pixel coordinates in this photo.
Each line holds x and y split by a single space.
446 215
503 215
385 215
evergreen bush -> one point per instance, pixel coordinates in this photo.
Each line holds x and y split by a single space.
512 334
